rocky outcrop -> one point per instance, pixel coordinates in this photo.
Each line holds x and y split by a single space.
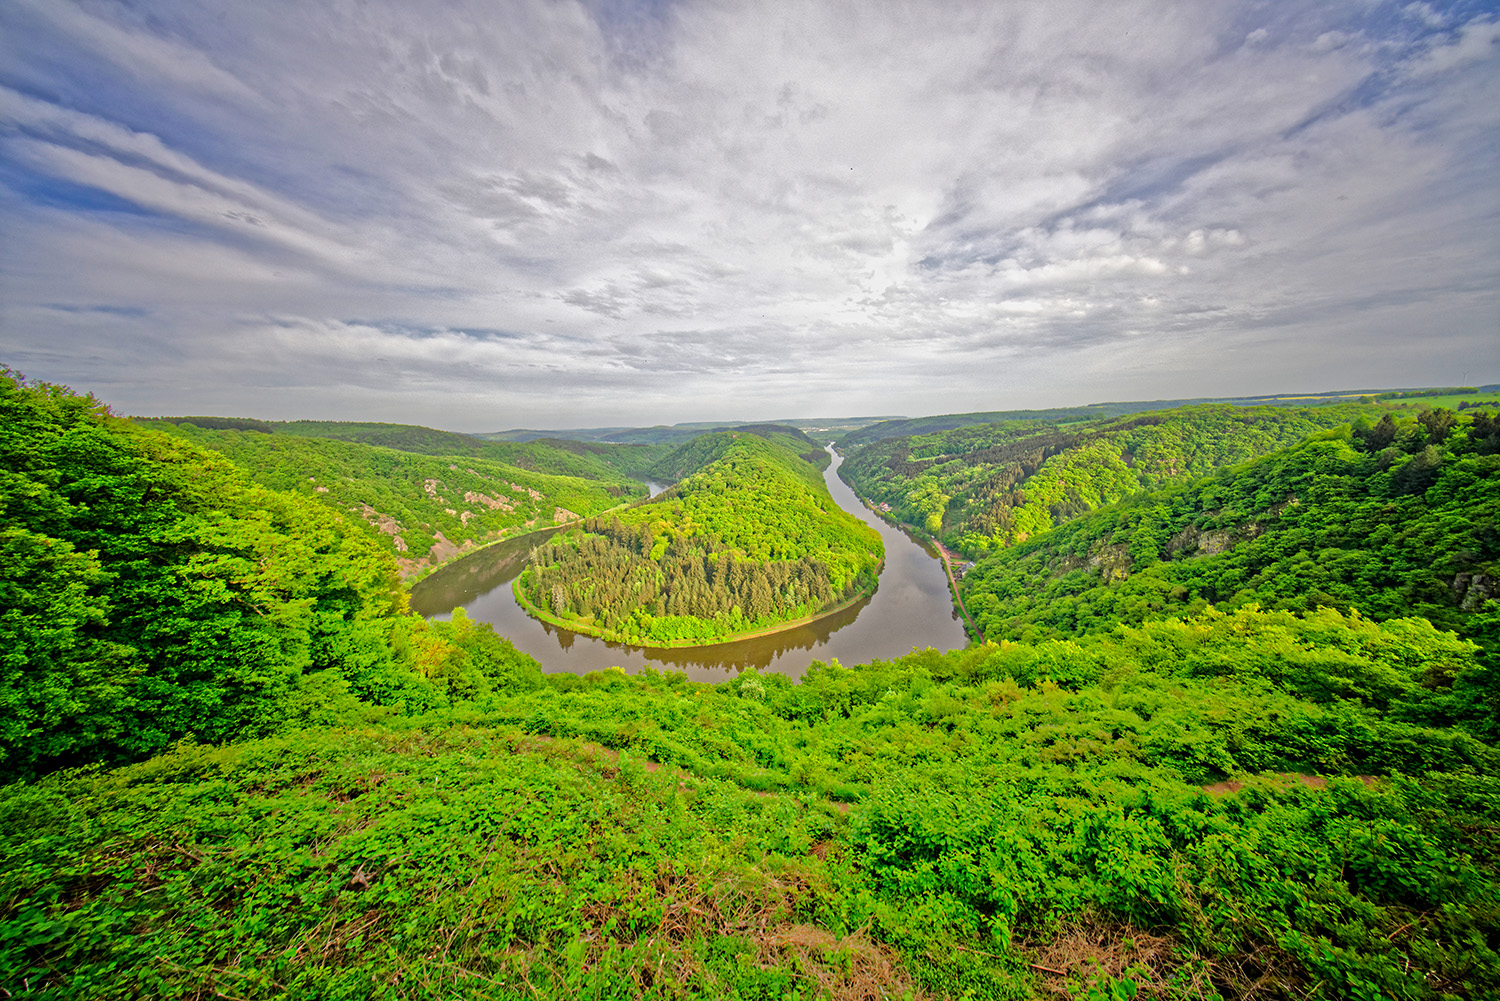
1472 590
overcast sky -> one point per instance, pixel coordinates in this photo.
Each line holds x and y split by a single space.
563 214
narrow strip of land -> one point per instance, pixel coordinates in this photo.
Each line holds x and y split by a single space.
958 598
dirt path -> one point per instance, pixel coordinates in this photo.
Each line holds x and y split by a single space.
958 598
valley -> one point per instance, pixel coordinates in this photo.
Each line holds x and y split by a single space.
1230 732
910 608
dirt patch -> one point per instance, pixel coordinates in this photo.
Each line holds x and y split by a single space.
1084 950
443 548
1278 780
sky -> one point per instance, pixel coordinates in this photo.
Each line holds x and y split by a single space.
559 214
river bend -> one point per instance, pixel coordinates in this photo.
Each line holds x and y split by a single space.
911 608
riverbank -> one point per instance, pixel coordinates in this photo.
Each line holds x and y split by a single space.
958 598
947 558
574 626
910 608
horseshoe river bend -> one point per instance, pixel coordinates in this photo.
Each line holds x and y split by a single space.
911 608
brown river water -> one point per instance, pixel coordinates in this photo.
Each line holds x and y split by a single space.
910 609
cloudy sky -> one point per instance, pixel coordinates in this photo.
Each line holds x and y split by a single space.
553 213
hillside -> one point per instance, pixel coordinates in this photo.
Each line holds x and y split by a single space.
906 427
150 591
422 508
1394 519
557 457
747 539
660 434
986 487
940 826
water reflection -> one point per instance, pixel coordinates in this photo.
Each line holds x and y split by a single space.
910 608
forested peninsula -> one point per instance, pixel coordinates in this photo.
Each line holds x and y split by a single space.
1232 735
746 542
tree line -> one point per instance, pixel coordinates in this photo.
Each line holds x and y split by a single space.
606 575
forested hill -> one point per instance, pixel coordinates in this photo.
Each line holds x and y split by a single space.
150 591
558 457
692 456
985 487
749 540
906 427
1394 519
426 508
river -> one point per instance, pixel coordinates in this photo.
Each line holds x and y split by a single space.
911 608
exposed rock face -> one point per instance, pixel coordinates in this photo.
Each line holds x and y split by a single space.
1195 542
493 503
1112 562
384 523
1472 590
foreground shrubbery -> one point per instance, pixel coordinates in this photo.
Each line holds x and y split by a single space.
950 823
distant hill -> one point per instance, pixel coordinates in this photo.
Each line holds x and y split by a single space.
902 427
683 432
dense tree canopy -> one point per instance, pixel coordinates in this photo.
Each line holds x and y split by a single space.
149 590
985 487
750 539
424 507
1381 519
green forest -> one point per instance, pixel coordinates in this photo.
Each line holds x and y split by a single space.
1390 519
747 539
1230 733
984 487
428 494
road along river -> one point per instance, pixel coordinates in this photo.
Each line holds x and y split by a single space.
911 608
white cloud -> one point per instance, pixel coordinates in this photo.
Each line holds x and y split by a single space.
1478 40
478 216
